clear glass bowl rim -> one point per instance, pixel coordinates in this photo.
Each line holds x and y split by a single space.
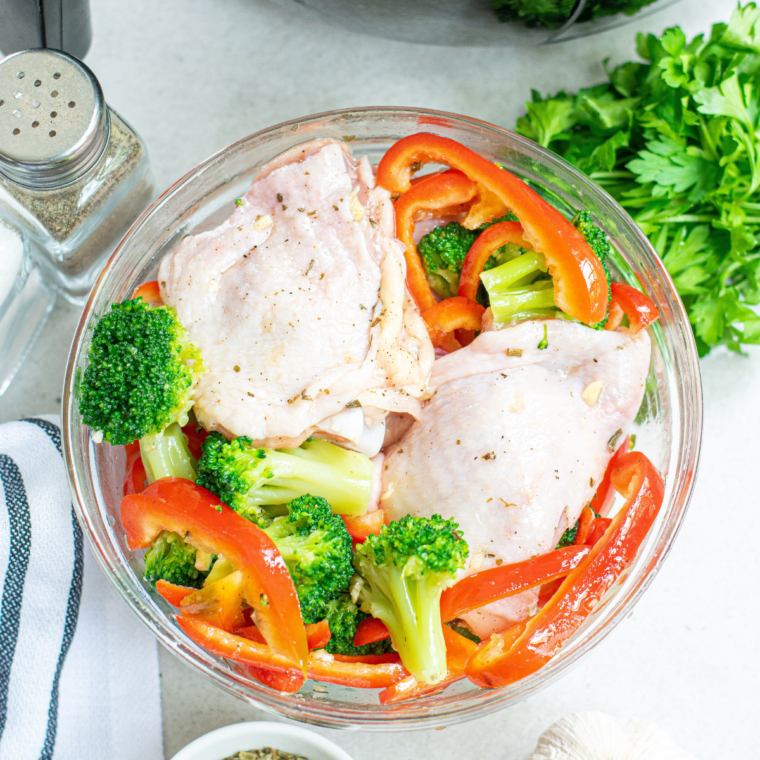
479 703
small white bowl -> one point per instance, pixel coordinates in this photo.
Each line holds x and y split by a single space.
226 741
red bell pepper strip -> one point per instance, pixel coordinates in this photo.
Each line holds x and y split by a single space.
220 603
361 675
135 478
496 663
637 306
585 526
172 593
600 528
434 193
452 314
369 631
200 517
548 590
487 586
458 650
580 282
317 634
482 249
150 292
322 666
605 493
289 681
363 526
369 659
237 648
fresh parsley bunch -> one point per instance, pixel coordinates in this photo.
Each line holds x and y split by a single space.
554 13
675 140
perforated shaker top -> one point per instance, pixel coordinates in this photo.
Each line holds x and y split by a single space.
54 123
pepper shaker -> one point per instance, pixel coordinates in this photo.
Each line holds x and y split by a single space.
72 171
25 301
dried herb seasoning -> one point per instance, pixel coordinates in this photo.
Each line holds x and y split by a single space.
265 753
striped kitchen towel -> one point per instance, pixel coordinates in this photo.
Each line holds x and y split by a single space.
78 670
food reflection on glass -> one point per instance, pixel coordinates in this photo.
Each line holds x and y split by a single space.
375 422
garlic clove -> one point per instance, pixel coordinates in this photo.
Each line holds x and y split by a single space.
596 736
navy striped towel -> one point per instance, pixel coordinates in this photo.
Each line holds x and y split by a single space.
78 671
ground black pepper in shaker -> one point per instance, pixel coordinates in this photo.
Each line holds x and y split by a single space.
72 171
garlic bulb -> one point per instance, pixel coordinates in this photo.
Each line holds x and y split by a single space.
596 736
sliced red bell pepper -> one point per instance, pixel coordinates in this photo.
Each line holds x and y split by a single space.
237 648
439 192
361 675
369 631
585 526
135 478
322 666
458 650
220 603
487 586
289 681
482 249
637 306
498 663
363 526
204 521
369 659
548 590
317 634
451 314
150 292
605 493
172 593
600 528
580 282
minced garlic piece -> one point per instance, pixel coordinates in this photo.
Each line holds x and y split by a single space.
263 222
592 392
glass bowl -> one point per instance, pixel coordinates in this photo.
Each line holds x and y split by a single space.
668 427
456 23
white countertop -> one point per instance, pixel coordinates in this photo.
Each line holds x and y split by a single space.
195 75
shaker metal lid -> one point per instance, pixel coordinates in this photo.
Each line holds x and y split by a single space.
54 123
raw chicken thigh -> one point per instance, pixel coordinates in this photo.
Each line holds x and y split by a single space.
515 439
299 305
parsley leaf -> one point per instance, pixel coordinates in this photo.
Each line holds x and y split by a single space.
675 139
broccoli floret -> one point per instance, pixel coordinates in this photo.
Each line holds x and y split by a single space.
344 616
173 560
139 384
316 547
600 245
444 249
249 478
568 537
403 572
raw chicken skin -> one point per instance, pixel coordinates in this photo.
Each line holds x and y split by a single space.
283 301
509 448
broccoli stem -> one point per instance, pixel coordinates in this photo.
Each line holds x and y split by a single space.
539 295
513 272
410 607
343 478
166 454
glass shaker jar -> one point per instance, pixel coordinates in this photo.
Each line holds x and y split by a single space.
25 301
72 171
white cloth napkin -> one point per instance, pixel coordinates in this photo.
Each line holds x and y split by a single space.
78 670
